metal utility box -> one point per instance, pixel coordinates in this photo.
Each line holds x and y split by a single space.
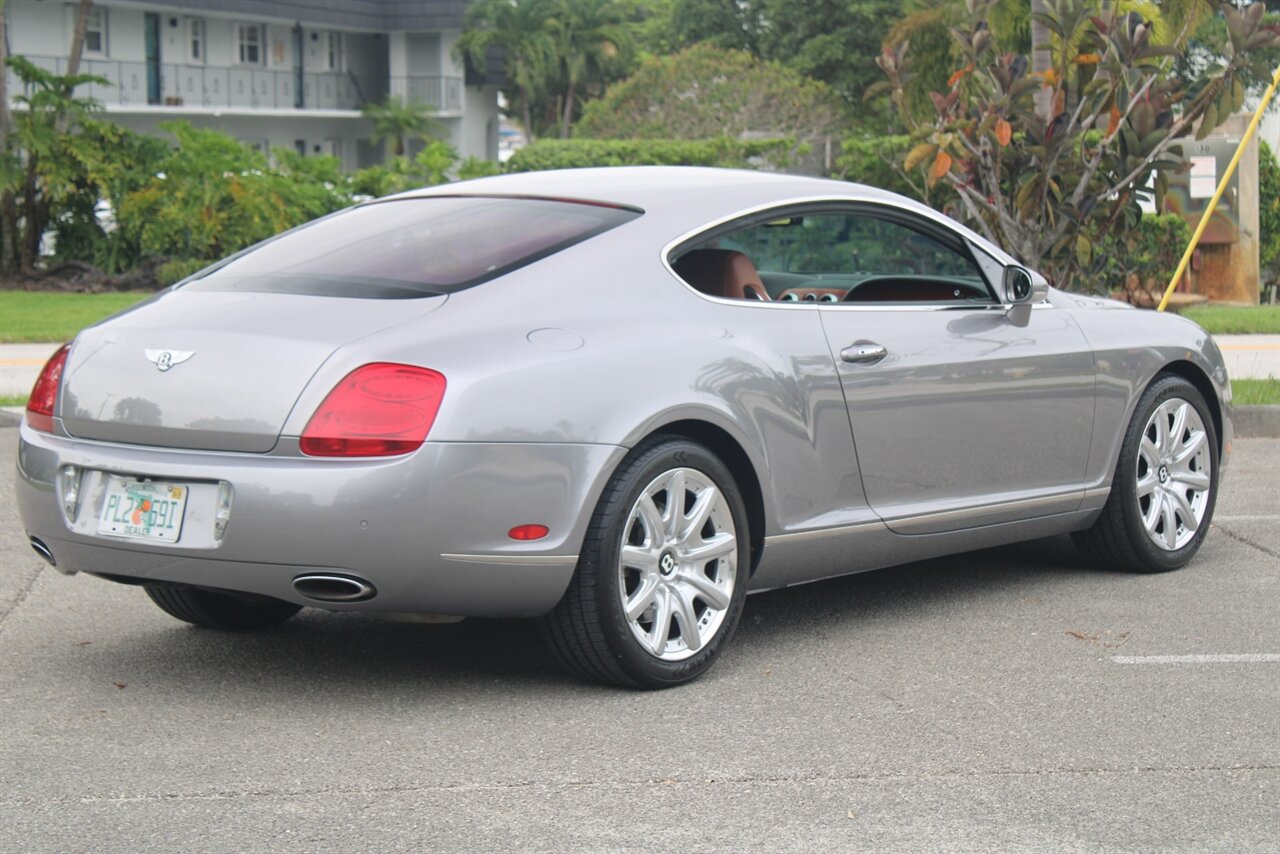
1190 190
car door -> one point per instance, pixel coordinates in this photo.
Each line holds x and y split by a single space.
961 416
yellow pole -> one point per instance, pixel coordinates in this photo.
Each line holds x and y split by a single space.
1222 186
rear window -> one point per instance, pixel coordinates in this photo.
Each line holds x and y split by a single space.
410 248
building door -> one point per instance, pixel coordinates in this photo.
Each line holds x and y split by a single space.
152 38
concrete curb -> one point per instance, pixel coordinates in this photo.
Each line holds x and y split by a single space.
1251 422
1258 422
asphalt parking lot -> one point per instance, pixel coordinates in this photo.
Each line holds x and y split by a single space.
1009 699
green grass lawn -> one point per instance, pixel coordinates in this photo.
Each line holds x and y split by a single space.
29 316
1235 320
1254 392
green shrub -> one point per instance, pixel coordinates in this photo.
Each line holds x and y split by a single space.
474 167
1139 258
212 196
579 153
433 165
1269 212
178 269
705 91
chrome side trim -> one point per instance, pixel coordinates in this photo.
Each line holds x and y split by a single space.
820 533
513 560
1063 502
1095 498
903 306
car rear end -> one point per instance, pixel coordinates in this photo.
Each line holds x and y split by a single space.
240 432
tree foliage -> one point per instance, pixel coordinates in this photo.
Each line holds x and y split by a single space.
557 53
1211 40
1269 210
521 29
436 163
212 195
1041 182
38 167
704 92
876 160
103 163
397 122
827 40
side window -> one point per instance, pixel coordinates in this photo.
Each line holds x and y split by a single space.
830 256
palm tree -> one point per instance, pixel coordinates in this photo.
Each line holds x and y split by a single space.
525 31
397 121
591 36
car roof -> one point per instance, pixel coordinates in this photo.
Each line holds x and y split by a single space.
686 197
648 186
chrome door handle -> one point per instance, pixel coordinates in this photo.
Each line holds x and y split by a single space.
863 353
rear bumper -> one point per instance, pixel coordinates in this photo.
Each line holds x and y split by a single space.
428 531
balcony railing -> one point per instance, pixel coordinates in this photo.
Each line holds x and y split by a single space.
444 94
235 87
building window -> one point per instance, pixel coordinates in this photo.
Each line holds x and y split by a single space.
334 56
195 40
251 39
95 32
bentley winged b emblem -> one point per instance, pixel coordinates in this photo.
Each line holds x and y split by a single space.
166 359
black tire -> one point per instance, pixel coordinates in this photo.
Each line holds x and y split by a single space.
213 609
589 631
1119 539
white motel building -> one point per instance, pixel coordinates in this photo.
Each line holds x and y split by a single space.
292 73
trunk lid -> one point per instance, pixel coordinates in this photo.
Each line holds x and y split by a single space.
212 370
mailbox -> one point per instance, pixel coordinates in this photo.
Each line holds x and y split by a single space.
1191 189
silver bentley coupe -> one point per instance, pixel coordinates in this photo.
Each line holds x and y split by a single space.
617 401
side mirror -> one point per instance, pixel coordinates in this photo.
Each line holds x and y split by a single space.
1022 285
1022 288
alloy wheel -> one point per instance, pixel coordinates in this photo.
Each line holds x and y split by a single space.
1173 474
677 564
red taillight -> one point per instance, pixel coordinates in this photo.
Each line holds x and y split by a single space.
45 393
378 410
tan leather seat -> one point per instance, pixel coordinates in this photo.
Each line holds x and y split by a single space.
721 273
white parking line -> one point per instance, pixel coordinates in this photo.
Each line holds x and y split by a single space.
1245 658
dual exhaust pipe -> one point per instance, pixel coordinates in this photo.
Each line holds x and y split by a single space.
44 551
320 587
327 587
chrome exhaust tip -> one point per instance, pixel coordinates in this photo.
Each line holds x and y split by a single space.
41 549
323 587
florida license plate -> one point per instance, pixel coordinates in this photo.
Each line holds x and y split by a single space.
143 509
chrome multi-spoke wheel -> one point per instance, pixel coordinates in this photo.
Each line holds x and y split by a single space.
1162 495
678 563
1173 474
662 575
